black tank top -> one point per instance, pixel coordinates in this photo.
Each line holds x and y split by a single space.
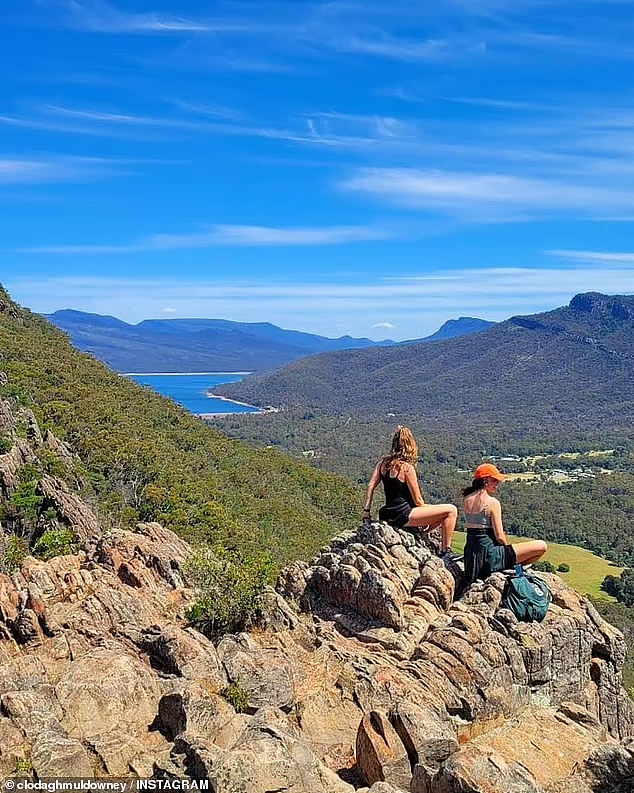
396 492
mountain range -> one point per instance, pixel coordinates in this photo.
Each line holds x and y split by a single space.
573 365
209 345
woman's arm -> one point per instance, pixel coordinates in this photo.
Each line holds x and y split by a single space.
412 483
495 510
369 494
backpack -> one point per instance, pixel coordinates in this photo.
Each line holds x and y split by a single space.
526 595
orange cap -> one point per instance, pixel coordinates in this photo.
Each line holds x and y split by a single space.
487 469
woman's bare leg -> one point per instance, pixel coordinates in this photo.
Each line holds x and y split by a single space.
527 552
433 515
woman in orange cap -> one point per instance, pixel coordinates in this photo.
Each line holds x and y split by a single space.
404 504
487 550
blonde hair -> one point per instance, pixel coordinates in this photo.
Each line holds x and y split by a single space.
404 450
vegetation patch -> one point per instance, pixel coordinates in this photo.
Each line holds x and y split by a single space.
15 552
237 696
55 542
229 589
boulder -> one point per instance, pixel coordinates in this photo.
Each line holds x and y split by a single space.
266 677
381 755
270 756
103 691
194 710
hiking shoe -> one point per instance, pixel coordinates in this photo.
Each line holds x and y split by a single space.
450 556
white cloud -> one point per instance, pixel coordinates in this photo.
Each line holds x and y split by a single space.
100 16
386 46
386 325
52 169
170 310
229 235
487 196
599 257
125 119
419 305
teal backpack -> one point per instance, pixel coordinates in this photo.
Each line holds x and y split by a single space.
527 596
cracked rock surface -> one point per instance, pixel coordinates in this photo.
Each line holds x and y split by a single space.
366 674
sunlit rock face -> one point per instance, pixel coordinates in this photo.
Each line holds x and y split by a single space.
367 672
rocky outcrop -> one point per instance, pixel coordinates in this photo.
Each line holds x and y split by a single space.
367 672
370 678
71 510
33 451
453 694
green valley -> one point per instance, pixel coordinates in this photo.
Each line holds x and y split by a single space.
144 458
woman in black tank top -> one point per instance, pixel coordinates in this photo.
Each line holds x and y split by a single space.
404 504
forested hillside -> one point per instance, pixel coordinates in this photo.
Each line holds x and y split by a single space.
145 458
572 367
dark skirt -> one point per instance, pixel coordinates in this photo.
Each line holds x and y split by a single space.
483 556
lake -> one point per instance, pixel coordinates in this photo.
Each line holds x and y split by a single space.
189 390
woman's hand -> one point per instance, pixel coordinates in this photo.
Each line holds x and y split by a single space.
367 517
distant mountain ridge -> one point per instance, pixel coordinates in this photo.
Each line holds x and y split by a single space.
193 345
205 345
572 365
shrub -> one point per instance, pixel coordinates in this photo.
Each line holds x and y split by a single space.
237 696
21 395
55 542
563 568
544 567
15 553
23 766
229 589
22 510
622 588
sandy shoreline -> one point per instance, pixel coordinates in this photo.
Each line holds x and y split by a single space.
225 415
211 395
177 374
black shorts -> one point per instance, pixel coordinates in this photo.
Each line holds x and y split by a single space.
510 557
397 516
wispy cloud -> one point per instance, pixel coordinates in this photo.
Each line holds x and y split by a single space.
100 16
230 235
373 28
386 325
14 171
387 46
597 257
487 197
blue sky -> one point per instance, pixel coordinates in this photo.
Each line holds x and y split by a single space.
364 167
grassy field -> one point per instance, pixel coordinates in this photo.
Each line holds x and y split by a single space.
587 571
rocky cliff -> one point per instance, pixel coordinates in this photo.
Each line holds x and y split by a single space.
365 673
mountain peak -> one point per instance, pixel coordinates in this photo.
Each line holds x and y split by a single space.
462 326
619 306
64 316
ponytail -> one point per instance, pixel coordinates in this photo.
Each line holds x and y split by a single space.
477 484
